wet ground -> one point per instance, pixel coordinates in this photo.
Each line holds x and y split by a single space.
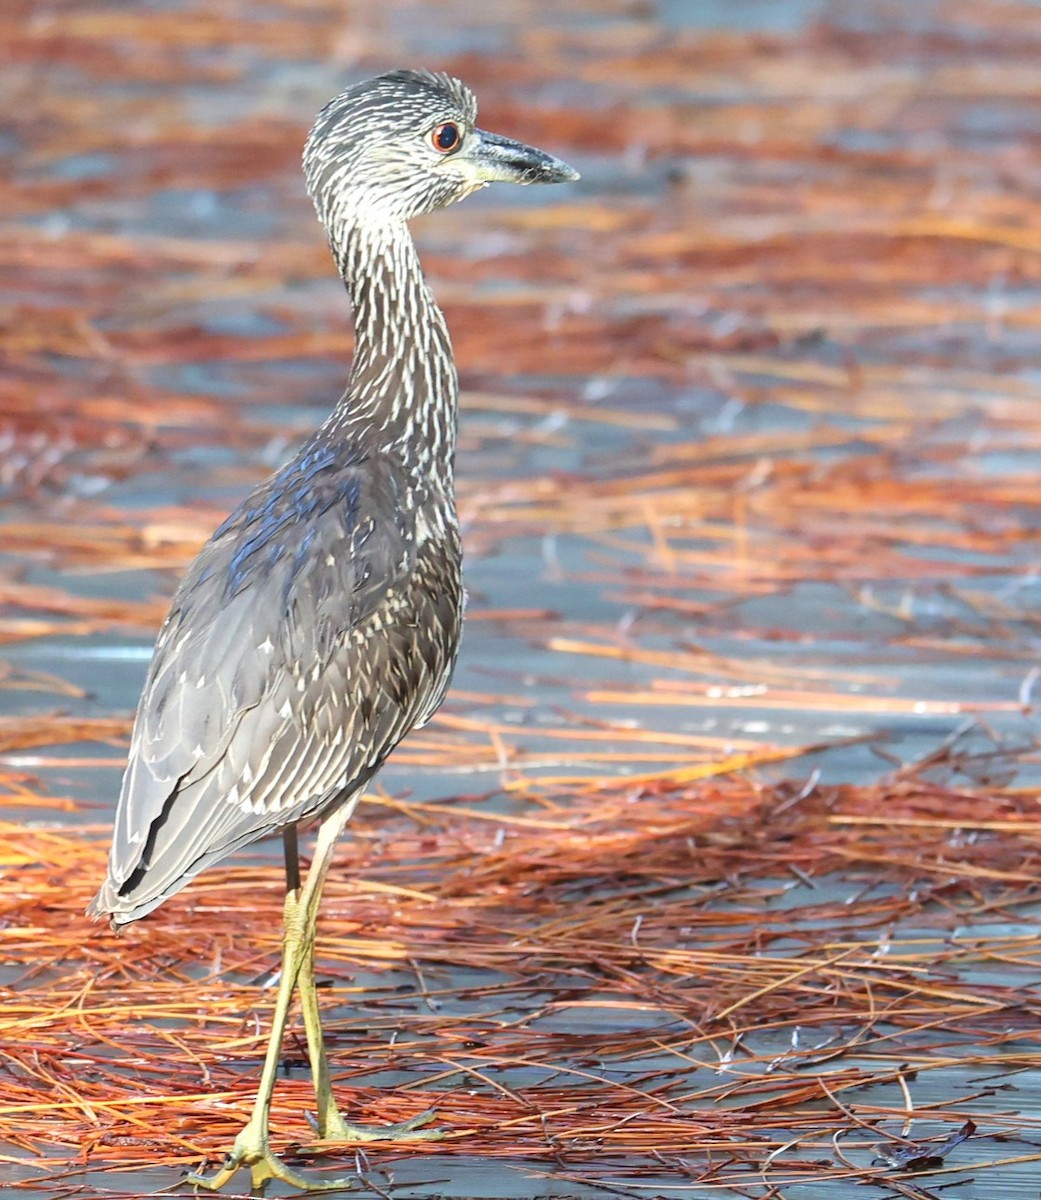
730 816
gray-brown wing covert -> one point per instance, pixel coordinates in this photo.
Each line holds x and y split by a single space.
302 644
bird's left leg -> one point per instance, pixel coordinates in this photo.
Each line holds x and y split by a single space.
330 1124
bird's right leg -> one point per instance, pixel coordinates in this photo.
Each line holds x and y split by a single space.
330 1124
252 1147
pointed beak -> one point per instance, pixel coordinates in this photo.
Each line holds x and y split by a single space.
495 159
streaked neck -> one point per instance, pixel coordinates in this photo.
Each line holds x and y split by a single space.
402 397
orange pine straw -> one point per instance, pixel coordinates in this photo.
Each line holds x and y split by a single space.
748 483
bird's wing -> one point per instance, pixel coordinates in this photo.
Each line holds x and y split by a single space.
253 690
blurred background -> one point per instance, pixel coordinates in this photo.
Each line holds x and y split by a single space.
718 868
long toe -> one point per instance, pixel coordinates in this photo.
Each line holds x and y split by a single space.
263 1167
413 1130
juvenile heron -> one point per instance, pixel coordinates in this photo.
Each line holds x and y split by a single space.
320 623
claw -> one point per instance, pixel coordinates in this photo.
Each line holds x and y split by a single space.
253 1151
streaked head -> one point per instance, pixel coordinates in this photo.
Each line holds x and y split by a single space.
405 143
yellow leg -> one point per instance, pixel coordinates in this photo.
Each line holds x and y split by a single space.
331 1125
252 1147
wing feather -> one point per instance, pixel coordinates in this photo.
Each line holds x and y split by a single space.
287 669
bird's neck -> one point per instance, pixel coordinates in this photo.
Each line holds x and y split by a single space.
402 398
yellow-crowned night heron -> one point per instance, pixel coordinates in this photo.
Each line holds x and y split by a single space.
320 622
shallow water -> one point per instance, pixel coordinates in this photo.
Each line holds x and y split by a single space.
872 662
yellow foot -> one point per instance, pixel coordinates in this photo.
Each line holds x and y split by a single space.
251 1150
336 1129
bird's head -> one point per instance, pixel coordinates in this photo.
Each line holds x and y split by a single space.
406 142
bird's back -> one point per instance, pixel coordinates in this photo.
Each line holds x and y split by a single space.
316 628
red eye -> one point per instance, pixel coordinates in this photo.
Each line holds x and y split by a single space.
446 137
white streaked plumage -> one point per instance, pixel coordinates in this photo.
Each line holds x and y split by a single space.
320 623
